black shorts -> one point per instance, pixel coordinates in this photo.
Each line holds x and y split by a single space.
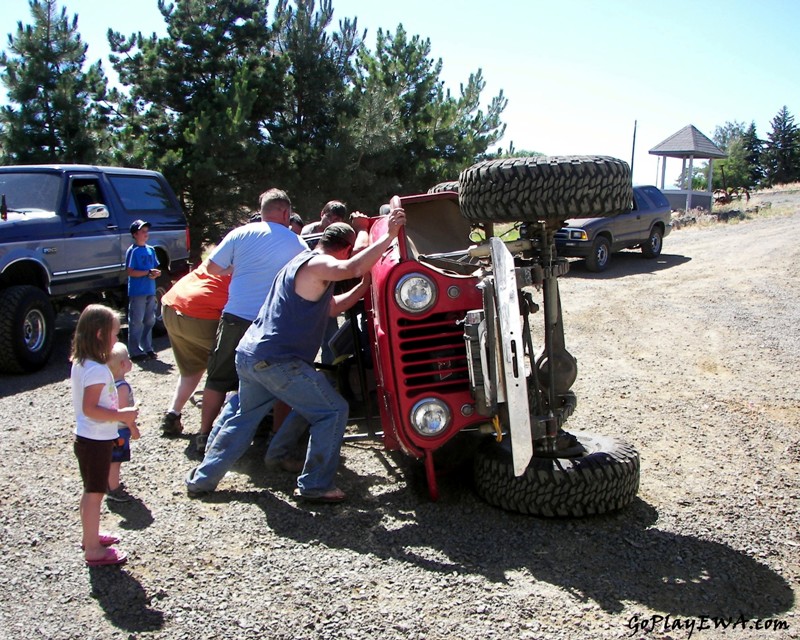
221 375
94 460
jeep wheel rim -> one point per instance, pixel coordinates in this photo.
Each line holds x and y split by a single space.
34 330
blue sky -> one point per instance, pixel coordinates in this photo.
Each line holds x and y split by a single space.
577 73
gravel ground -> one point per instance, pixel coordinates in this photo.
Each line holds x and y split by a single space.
693 357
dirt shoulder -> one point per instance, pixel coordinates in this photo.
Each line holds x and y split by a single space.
693 357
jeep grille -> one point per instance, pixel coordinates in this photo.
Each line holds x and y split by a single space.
433 354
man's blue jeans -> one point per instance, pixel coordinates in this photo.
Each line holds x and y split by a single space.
141 318
313 400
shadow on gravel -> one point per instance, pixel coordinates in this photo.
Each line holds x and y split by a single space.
123 600
626 263
135 515
613 560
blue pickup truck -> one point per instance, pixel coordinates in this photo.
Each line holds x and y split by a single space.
595 239
64 230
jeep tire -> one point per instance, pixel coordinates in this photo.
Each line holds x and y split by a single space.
27 322
545 188
450 185
605 478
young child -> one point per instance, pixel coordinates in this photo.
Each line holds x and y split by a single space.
97 412
141 262
120 365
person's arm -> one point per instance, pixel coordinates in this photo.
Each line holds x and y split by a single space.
328 268
92 409
135 272
360 224
215 270
344 301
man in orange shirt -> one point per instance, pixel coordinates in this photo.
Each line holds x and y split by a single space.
191 311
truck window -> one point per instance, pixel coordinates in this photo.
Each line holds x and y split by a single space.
30 191
84 192
141 194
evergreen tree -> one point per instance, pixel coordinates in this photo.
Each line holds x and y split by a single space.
782 153
317 97
428 135
199 104
56 113
753 150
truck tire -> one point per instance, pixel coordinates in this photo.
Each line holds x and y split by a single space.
451 185
605 478
600 256
652 248
27 322
545 188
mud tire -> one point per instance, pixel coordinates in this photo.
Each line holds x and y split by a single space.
545 188
451 185
604 479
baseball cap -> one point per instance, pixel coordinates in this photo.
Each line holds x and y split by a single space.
339 234
138 225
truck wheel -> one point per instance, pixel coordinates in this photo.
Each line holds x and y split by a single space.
451 185
600 256
605 478
546 188
27 322
652 248
162 286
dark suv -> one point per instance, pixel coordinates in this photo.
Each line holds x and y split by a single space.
64 230
596 238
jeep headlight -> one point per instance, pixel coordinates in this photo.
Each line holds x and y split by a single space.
415 293
430 417
578 234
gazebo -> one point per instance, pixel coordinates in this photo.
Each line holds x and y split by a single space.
688 143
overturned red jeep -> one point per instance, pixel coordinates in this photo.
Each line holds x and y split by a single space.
467 340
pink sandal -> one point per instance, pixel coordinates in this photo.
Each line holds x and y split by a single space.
106 540
113 556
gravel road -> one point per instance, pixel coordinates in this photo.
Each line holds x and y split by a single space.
693 357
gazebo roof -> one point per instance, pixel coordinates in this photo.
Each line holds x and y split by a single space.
688 142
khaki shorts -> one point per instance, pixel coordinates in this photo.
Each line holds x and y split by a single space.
94 460
222 363
192 340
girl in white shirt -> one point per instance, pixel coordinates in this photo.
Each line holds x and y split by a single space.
94 398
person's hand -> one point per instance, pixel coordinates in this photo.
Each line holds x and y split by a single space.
128 415
359 221
154 273
135 435
397 217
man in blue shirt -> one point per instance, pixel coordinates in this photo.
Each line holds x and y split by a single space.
141 263
253 254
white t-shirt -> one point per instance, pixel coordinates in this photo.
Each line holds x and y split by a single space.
85 375
257 252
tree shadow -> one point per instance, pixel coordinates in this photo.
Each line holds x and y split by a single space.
626 263
613 559
123 600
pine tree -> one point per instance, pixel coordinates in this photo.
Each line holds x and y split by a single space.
753 150
55 114
199 104
782 153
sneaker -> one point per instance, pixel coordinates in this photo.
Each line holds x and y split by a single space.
139 357
118 495
200 442
152 355
171 424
